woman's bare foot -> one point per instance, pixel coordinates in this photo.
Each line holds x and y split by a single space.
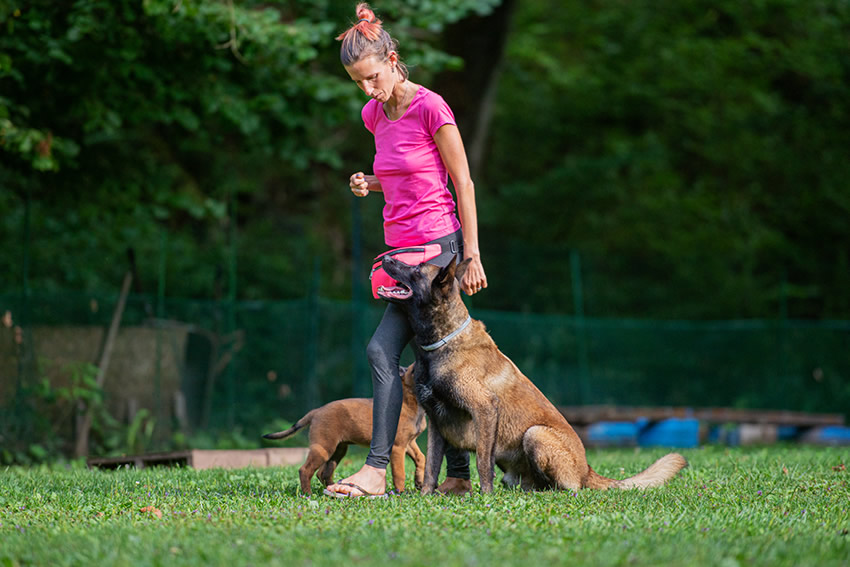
455 486
370 479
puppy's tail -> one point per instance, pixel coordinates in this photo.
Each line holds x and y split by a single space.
300 424
657 474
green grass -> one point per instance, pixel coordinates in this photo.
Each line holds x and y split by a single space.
764 506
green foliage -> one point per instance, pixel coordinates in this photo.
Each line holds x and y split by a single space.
34 427
760 506
693 151
139 433
82 388
159 124
38 427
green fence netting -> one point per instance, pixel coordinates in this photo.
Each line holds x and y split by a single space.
205 366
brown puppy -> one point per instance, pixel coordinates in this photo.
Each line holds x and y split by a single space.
338 424
478 400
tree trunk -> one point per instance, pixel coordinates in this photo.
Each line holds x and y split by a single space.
480 42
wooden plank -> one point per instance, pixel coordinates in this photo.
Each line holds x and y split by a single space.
175 458
271 457
287 456
208 459
773 417
583 415
229 459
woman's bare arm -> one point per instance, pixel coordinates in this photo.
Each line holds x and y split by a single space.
453 153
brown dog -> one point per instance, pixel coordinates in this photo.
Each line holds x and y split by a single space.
338 424
478 400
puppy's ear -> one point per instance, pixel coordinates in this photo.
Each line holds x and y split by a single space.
461 269
407 377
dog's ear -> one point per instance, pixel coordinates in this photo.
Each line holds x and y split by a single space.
446 274
461 269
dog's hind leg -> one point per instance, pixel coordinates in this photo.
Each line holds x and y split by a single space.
555 464
316 457
326 472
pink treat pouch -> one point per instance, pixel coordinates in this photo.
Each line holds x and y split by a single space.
410 255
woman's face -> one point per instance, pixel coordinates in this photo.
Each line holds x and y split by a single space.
374 77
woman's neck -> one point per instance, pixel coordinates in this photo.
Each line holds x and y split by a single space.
400 100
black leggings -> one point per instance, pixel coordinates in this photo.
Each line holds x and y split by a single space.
384 353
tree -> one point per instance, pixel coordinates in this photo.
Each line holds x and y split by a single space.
156 125
691 151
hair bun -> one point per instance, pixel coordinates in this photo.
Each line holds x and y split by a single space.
366 37
367 23
364 12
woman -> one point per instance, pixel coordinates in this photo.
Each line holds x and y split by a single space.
417 146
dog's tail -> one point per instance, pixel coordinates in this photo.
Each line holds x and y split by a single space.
300 424
657 474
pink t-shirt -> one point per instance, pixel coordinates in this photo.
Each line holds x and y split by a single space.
419 206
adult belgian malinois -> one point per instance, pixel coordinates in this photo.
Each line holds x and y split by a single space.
478 400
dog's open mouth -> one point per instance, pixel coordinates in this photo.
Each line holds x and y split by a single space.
399 291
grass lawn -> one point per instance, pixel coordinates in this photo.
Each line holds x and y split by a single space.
755 506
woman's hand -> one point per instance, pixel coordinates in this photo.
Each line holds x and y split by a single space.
474 279
359 185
